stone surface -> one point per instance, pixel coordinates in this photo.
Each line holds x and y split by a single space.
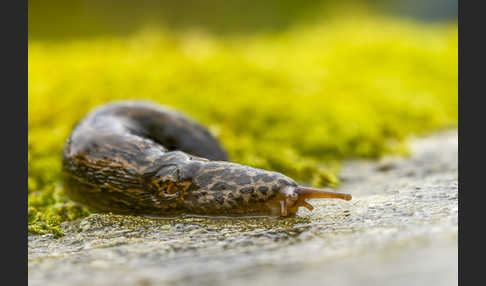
401 228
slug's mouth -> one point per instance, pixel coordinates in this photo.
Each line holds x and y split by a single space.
295 197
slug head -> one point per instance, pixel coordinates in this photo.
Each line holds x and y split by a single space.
290 198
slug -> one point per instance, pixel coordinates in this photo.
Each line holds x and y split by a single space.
140 158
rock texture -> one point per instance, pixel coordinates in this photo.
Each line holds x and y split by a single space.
401 228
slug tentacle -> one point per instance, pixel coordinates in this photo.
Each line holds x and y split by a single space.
283 208
307 205
313 193
292 197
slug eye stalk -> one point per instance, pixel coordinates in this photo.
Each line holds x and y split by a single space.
312 193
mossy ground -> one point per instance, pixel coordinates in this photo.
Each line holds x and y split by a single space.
296 102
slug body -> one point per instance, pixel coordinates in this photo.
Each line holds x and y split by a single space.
135 157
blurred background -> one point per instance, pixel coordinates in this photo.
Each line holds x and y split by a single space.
290 86
67 20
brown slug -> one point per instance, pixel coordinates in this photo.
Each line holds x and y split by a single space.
135 157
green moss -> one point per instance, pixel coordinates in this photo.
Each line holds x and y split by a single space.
297 102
